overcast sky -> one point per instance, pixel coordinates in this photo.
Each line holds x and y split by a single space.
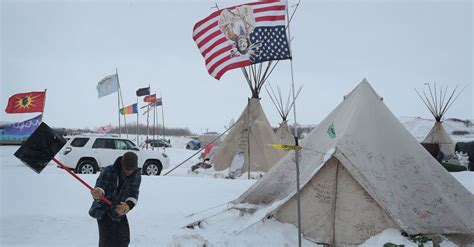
66 47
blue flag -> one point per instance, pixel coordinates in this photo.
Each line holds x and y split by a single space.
23 128
108 85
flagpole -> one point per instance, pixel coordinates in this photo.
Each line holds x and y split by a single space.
138 143
147 119
44 105
121 98
118 103
162 114
154 123
298 195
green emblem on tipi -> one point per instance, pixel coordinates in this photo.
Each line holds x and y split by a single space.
331 131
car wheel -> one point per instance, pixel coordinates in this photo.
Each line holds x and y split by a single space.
152 168
87 167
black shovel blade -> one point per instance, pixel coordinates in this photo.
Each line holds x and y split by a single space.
40 148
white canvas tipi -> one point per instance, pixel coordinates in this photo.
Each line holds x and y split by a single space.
362 172
438 136
252 134
438 140
283 132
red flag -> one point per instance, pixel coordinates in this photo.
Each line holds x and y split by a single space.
150 98
26 102
242 35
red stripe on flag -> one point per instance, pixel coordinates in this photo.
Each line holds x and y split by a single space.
210 17
271 8
219 62
218 42
217 53
198 35
270 18
232 66
209 37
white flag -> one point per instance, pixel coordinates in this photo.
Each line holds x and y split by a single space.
108 85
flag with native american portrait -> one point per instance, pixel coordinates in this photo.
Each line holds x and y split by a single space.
242 35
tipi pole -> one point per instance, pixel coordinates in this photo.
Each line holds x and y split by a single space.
298 195
333 207
248 135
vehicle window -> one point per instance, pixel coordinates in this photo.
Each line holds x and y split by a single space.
79 142
104 143
130 144
120 144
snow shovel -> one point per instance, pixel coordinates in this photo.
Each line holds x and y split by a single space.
41 147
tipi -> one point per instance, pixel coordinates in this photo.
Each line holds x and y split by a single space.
362 172
438 140
252 134
283 132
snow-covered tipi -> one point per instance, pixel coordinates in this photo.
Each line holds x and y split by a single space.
283 132
251 134
438 140
362 172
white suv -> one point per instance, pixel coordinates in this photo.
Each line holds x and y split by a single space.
88 154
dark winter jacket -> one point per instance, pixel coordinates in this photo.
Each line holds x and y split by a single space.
117 189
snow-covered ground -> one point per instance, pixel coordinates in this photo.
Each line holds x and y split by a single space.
50 209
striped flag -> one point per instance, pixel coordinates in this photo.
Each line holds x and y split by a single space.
242 35
131 109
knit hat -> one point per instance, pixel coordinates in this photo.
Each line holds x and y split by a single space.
129 161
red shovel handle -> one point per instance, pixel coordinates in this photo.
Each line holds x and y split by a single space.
103 198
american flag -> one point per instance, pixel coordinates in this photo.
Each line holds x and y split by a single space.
242 35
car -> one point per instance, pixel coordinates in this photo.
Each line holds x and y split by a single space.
157 143
89 154
193 145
